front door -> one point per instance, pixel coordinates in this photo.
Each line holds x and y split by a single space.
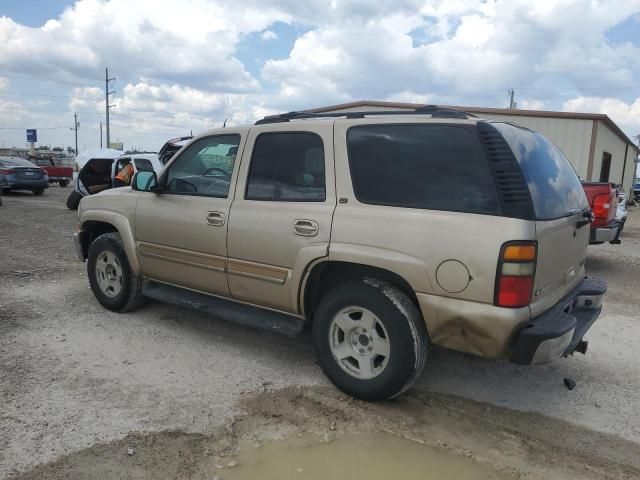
181 232
281 215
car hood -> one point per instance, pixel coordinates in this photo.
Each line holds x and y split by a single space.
120 201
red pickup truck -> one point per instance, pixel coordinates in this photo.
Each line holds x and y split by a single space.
57 173
603 200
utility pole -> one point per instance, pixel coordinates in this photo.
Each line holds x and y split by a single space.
76 124
106 98
635 165
100 134
512 103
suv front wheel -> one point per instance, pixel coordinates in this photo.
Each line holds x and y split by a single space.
370 339
112 281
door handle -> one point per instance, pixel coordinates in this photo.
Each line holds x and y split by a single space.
306 228
215 218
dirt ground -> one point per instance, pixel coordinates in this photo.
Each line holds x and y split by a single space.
79 386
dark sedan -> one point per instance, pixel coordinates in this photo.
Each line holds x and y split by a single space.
21 174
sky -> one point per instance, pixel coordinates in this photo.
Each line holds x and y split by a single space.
184 66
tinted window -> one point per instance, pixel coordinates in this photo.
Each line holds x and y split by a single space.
555 188
437 167
287 167
204 167
17 162
143 164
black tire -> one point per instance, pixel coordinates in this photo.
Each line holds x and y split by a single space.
130 294
73 200
407 338
63 183
38 191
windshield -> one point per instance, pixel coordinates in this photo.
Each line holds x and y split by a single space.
17 162
555 188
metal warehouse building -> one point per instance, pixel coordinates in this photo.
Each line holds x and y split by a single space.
598 149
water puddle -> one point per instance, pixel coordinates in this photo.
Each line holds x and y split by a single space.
375 456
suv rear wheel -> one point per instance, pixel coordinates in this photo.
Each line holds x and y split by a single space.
370 339
113 283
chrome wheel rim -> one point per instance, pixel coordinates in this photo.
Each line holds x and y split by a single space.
109 274
359 342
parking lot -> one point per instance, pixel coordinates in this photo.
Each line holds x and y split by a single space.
79 384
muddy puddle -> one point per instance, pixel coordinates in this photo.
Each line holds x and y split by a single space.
374 456
318 433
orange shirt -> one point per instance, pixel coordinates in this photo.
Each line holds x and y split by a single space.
125 174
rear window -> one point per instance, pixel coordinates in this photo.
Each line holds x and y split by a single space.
437 167
17 162
555 188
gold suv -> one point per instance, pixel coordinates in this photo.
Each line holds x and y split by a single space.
383 231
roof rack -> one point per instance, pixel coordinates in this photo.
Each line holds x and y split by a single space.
433 110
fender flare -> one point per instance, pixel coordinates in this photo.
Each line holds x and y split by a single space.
123 226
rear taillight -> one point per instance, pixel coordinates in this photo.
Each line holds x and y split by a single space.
516 273
4 171
601 205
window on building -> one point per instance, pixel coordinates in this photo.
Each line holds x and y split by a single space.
287 167
605 168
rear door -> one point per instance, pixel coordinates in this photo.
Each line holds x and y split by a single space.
280 220
559 202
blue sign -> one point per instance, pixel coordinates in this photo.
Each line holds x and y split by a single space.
32 135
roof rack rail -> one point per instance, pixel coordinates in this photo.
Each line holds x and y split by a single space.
433 110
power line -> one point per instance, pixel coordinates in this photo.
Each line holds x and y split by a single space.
30 110
43 79
37 128
15 92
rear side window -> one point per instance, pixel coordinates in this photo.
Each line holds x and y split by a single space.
17 162
437 167
143 164
555 188
287 167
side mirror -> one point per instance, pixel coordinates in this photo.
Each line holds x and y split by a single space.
144 181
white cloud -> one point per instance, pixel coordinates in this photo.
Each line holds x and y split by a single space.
626 115
191 41
531 104
269 35
83 97
179 67
480 48
11 111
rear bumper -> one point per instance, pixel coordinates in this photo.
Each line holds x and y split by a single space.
25 184
560 330
607 233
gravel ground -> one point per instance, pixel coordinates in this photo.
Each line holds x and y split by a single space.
75 379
